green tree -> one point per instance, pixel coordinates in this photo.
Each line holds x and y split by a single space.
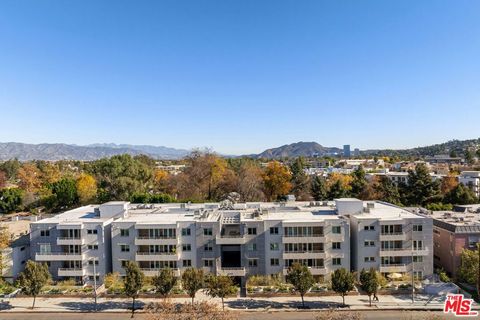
319 188
192 281
164 281
468 270
33 279
369 283
300 181
461 195
469 156
133 282
342 282
10 200
10 167
220 287
359 182
301 278
64 194
421 189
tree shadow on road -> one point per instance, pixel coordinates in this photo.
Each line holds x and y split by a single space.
101 306
251 304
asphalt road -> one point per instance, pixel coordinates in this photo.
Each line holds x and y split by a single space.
370 315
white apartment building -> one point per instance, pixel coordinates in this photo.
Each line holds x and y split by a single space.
77 244
391 239
471 179
239 240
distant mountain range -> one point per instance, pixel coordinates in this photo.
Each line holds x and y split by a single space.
297 149
60 151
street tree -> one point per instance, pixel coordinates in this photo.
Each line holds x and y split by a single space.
192 281
369 283
220 287
33 279
342 282
468 270
133 282
164 281
301 278
319 189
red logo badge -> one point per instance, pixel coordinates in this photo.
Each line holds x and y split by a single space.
459 305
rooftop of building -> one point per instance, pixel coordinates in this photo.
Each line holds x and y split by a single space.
85 214
457 218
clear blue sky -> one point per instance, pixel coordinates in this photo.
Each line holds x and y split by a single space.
240 76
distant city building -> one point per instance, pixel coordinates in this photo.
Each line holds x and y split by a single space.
356 152
443 158
346 150
471 179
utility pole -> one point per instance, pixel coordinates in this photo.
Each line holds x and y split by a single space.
413 268
95 282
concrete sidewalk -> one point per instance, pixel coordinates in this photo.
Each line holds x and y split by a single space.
387 302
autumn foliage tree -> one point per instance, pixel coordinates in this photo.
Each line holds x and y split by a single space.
276 180
29 177
86 188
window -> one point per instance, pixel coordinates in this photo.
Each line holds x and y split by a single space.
91 278
124 248
417 259
22 249
186 247
124 233
208 263
274 246
369 243
92 247
274 230
252 262
369 259
369 228
417 227
417 244
124 263
187 263
336 245
252 247
90 262
186 232
207 231
336 229
91 231
336 261
473 240
418 275
274 262
44 233
208 247
252 231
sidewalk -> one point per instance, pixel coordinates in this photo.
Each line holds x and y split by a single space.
65 304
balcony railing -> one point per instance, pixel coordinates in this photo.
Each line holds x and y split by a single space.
306 251
227 236
316 235
156 237
391 233
157 253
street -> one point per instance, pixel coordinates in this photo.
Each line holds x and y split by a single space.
295 315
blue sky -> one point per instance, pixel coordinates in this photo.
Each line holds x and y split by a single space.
240 76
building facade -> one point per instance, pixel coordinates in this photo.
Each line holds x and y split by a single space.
238 240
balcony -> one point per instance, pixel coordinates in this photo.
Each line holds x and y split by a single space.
58 256
400 236
304 254
140 241
232 272
390 268
230 239
70 241
403 252
316 270
151 272
320 238
156 256
71 272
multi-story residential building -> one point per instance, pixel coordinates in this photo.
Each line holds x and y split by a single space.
241 240
471 179
77 244
234 239
390 239
452 233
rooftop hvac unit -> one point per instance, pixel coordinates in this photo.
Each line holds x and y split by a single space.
182 205
370 205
